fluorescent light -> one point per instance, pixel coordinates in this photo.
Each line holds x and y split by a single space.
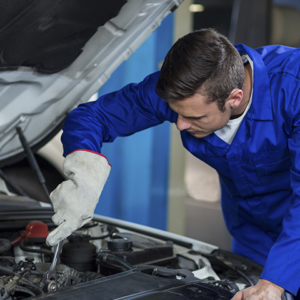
196 8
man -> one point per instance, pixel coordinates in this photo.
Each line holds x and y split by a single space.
237 110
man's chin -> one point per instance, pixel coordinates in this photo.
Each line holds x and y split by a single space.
198 134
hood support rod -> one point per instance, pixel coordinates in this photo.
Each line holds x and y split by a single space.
12 186
32 162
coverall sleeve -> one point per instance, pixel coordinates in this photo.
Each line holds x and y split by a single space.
283 262
131 109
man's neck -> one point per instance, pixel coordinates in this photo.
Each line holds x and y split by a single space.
247 90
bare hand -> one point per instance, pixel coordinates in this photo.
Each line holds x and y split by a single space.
263 290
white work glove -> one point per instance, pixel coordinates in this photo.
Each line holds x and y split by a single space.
75 199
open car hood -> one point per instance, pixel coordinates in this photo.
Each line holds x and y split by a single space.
56 54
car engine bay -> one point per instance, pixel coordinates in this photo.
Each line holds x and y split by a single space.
113 261
107 257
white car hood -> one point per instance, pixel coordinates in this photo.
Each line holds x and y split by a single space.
38 102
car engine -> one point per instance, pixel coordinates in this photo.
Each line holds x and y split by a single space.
116 262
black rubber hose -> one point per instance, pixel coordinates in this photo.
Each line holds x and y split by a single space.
24 290
24 247
5 245
6 271
27 283
89 276
115 260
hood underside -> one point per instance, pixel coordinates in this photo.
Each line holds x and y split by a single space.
56 54
49 35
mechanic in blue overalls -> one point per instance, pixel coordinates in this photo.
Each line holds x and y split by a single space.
238 110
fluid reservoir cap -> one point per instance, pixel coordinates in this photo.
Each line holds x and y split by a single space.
79 238
119 245
35 230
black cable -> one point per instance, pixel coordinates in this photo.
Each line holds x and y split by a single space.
252 282
115 260
12 186
32 162
233 268
24 247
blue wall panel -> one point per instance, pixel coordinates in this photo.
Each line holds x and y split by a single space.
137 188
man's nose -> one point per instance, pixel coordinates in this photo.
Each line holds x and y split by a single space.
183 123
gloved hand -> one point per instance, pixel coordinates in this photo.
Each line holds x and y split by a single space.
75 199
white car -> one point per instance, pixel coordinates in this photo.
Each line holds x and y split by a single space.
55 55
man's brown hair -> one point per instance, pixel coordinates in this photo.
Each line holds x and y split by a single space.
204 62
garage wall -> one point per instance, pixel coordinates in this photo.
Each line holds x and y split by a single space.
137 188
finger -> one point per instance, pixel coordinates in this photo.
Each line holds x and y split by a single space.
238 296
86 220
59 234
53 195
58 218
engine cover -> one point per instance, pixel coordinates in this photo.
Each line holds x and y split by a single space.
144 283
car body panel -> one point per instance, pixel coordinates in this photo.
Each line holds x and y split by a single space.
38 103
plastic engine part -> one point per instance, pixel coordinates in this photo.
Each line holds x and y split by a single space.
79 253
35 231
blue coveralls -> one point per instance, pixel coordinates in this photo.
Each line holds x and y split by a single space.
259 172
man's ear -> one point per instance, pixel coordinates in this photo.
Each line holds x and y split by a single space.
235 98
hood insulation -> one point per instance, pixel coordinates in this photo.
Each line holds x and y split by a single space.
49 35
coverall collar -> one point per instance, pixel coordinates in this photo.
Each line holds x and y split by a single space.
261 107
